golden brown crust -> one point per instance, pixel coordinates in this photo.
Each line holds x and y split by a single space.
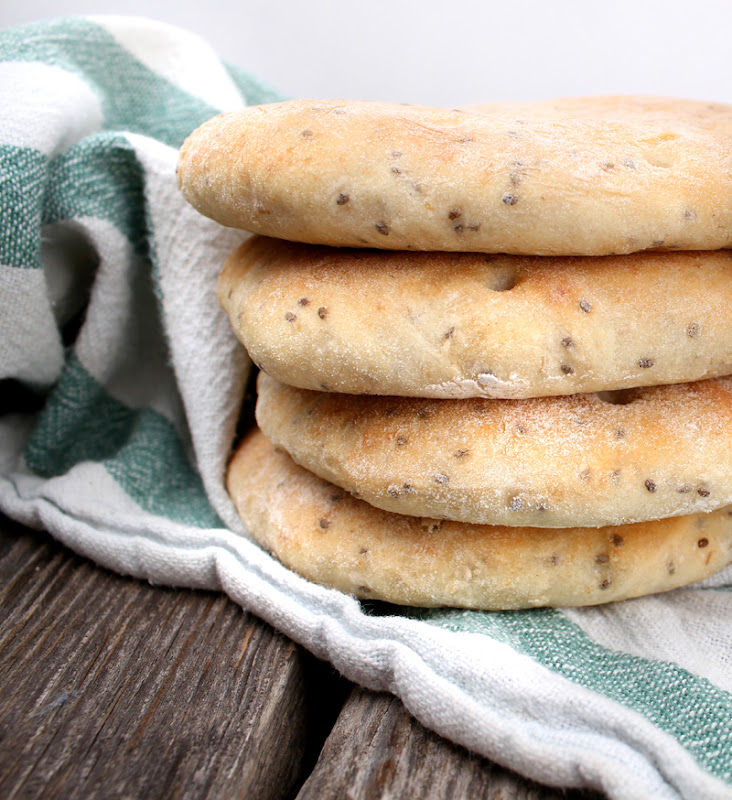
579 460
616 108
470 325
595 177
331 538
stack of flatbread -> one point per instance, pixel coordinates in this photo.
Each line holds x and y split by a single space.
492 343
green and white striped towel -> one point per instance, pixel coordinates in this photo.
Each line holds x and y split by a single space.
108 319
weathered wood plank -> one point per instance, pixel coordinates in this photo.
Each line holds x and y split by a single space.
378 750
111 687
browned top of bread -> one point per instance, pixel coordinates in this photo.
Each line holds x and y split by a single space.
592 176
334 539
469 325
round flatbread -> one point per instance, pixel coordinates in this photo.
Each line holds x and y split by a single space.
593 176
470 325
580 460
333 539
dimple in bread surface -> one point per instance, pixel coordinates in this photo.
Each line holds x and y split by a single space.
580 460
589 176
334 539
472 325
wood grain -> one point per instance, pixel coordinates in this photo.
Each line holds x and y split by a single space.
111 687
378 750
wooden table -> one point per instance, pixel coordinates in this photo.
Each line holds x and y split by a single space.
113 688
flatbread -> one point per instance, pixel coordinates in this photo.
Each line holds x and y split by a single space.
331 538
580 460
470 325
594 176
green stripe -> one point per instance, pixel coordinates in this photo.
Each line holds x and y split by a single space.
133 97
22 182
253 91
139 448
689 708
100 177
